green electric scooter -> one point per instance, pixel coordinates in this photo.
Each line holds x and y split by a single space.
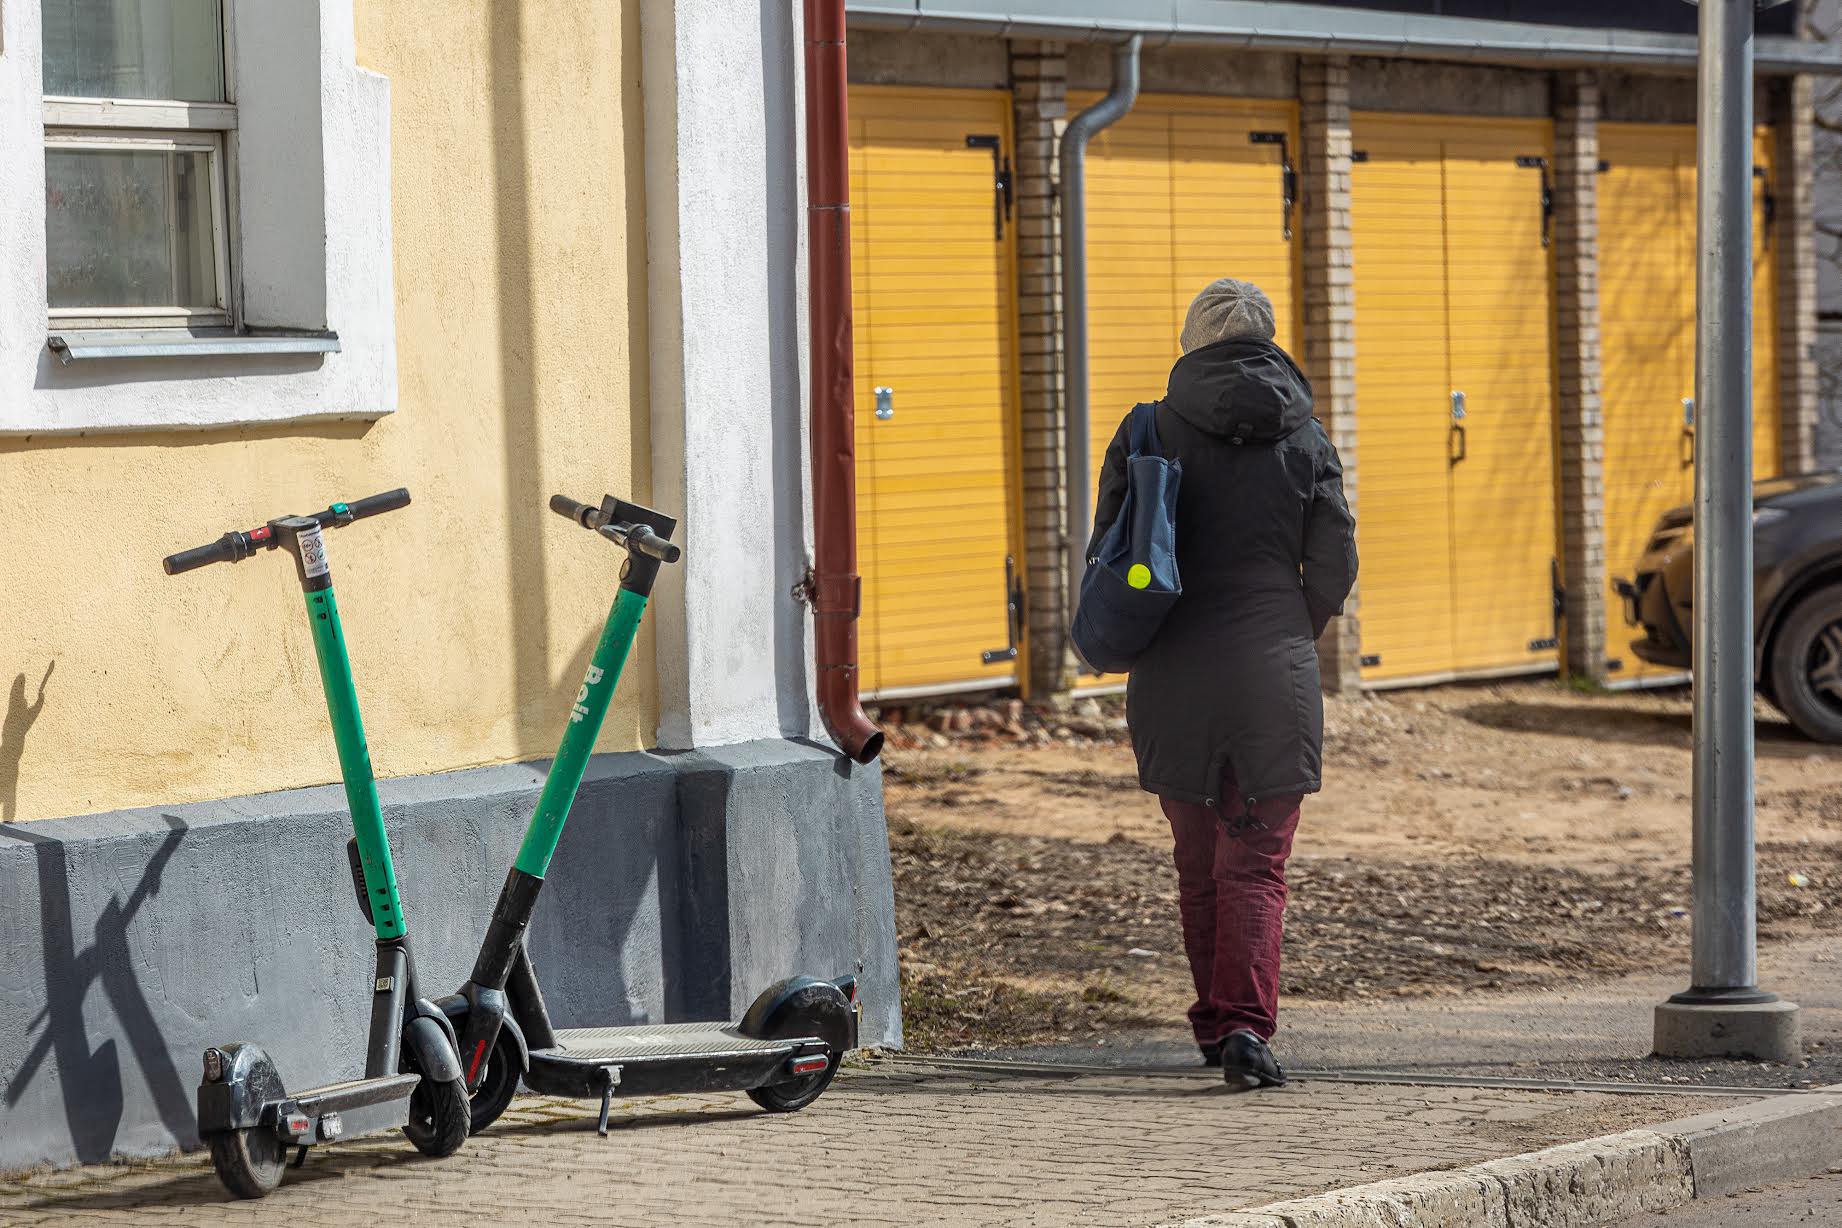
412 1077
783 1052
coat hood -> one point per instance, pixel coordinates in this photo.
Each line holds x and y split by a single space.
1244 389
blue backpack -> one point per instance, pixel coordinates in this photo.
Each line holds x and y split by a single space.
1131 581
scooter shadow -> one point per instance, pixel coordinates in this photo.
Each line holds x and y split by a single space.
617 1123
198 1186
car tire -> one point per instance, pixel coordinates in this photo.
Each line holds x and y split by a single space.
1806 666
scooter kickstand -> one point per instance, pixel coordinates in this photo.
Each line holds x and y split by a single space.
610 1081
300 1156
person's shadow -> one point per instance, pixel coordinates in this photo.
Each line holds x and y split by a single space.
20 717
91 1079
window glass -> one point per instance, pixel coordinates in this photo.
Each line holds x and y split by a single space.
172 49
129 228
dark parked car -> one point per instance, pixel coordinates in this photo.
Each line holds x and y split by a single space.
1797 597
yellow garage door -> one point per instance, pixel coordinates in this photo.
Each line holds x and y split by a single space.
1647 314
937 462
1180 192
1454 398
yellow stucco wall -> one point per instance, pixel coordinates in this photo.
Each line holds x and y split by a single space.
519 264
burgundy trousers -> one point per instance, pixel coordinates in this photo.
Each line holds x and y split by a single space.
1231 892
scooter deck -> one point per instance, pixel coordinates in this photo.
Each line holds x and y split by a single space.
649 1059
351 1109
357 1093
643 1041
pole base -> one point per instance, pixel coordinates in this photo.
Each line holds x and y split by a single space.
1688 1025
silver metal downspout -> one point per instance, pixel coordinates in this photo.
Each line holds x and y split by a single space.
1081 129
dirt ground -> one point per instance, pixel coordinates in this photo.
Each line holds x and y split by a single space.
1468 839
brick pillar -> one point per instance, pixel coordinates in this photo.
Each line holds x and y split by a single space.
1330 308
1039 77
1794 245
1582 428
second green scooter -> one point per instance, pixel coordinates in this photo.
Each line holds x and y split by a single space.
783 1052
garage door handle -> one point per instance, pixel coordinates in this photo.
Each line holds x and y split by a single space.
1460 445
1688 432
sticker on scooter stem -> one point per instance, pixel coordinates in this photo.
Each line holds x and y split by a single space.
577 711
313 552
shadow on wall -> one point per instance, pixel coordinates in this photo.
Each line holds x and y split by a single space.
20 717
91 1079
780 51
535 696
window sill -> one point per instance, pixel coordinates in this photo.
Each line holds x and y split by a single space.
72 345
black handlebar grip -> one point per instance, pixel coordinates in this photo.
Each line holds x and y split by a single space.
389 501
564 506
643 539
218 551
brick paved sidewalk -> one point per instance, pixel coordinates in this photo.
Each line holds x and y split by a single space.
896 1144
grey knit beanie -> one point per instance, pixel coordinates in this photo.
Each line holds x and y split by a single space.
1227 308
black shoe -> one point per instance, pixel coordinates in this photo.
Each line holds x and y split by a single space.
1211 1054
1247 1063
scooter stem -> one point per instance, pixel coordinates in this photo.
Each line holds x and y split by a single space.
586 715
301 537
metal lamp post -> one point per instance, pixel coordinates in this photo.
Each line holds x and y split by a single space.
1724 1012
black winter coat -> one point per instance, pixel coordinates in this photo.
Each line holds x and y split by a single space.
1267 553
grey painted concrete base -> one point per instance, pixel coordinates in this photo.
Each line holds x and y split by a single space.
684 884
1764 1031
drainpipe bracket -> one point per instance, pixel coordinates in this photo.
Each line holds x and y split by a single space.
835 594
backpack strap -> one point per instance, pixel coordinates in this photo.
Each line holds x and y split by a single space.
1142 433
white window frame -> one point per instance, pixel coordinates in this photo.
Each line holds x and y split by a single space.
163 125
305 172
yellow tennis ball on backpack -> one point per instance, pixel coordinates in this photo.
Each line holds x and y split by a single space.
1138 576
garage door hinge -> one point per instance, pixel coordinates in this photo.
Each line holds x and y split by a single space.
1013 616
1547 194
1001 178
1768 201
1288 175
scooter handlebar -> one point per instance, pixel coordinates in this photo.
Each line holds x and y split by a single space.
374 505
226 549
234 546
568 508
639 537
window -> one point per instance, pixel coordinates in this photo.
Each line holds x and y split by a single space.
138 113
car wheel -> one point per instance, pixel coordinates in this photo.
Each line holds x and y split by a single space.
1807 665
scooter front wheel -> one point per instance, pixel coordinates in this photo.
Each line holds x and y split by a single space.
438 1117
249 1162
498 1084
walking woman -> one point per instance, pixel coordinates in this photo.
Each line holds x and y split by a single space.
1225 709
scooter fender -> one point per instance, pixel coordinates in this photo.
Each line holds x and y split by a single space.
432 1045
457 1008
247 1085
801 1006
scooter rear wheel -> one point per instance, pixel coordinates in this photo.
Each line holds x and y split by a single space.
794 1096
438 1117
249 1162
499 1084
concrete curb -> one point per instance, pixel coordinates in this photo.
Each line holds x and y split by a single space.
1598 1181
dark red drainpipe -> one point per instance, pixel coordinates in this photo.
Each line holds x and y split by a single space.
836 589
